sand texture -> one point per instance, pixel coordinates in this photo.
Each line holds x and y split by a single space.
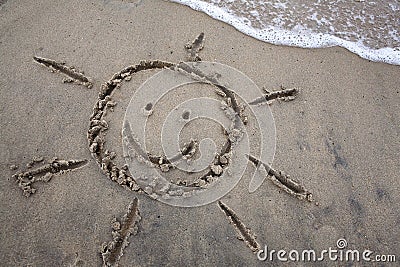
339 138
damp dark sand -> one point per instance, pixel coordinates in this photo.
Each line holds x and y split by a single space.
339 138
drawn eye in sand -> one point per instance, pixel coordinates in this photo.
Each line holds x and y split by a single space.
237 104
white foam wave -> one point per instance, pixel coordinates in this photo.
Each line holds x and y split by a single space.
298 35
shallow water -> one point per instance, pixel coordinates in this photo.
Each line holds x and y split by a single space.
370 29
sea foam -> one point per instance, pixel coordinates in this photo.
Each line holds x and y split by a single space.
367 29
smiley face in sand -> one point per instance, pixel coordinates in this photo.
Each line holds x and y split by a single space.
228 111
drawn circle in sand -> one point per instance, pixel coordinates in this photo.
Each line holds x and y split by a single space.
223 166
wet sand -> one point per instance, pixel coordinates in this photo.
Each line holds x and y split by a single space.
339 137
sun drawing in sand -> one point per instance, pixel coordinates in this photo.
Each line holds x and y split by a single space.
179 193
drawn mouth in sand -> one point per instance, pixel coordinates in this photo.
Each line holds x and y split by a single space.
211 169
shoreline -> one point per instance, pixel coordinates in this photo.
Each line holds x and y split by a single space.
305 38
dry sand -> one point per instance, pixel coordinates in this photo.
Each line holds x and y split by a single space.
340 138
